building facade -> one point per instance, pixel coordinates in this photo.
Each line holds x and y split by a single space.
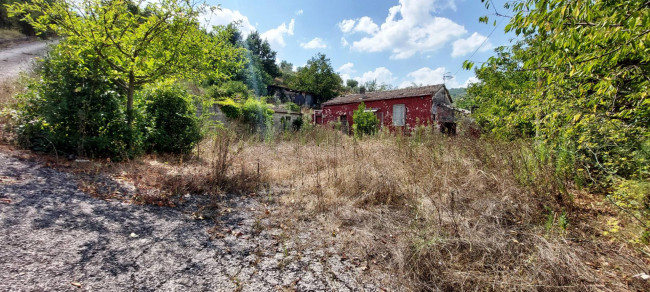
396 109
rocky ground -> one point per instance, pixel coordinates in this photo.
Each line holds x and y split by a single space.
55 237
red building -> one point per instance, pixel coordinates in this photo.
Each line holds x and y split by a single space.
402 108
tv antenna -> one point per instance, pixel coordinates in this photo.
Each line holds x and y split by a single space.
446 76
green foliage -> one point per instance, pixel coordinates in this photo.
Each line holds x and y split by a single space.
229 89
634 197
73 110
174 126
365 123
262 53
372 85
230 108
15 22
139 46
257 114
292 106
576 82
318 77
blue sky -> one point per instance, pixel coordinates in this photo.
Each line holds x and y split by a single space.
393 41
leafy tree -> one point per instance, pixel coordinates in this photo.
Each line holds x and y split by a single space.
372 85
286 68
352 86
588 97
319 78
163 41
577 82
502 95
351 83
14 21
365 123
262 52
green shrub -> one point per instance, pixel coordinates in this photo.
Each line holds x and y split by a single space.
365 123
174 126
229 89
292 106
230 108
73 109
257 114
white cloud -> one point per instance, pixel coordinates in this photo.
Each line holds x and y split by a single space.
366 25
275 36
363 24
427 76
424 76
299 12
465 46
316 43
470 80
347 25
346 68
344 42
416 31
381 74
225 16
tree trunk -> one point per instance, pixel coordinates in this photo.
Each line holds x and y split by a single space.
130 90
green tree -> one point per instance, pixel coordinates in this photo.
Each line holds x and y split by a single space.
262 52
372 85
365 123
319 78
163 41
584 66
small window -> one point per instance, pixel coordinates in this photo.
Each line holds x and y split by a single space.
399 114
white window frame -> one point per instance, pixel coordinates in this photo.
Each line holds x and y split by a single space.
399 120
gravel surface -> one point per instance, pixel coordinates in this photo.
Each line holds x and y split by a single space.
54 237
17 58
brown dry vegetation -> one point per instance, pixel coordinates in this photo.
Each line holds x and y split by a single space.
450 213
8 89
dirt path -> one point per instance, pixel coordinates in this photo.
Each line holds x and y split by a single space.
17 58
55 237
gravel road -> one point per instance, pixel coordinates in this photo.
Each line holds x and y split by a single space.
54 237
17 58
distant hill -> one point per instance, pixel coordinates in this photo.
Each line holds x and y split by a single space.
457 92
459 96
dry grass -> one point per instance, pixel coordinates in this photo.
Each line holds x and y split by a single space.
8 90
9 34
447 213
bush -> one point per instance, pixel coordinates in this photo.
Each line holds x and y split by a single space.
174 126
230 108
257 114
73 109
292 106
365 123
229 89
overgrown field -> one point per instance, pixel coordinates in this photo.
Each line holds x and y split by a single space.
442 213
453 212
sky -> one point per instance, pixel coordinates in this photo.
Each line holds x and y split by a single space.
398 42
